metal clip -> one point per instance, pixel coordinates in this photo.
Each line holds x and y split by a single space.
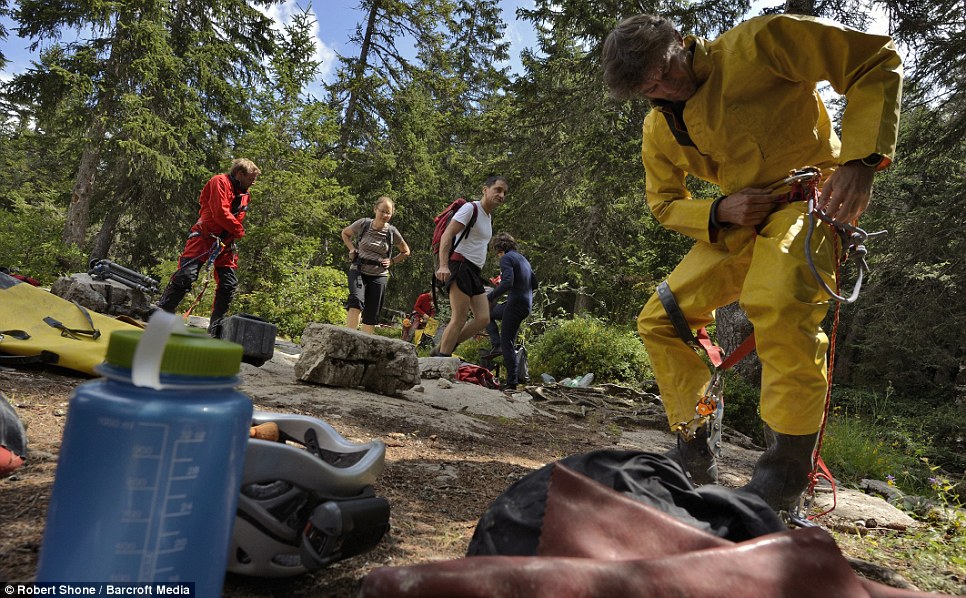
708 409
802 175
798 176
853 249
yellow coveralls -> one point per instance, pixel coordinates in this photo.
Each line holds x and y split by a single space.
755 116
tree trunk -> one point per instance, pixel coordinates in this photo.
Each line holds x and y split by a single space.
731 328
350 109
589 249
105 236
845 348
78 213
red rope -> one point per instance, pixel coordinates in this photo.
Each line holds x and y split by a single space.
820 470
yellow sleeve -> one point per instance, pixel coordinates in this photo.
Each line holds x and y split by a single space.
863 67
665 183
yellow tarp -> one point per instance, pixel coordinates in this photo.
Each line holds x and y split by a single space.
24 307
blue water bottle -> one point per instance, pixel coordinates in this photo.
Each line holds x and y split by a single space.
151 463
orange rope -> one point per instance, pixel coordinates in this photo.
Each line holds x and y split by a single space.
209 264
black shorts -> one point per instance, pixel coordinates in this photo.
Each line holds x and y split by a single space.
366 294
466 276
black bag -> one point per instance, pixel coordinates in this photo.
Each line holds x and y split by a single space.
512 524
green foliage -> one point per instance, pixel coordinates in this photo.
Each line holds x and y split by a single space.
470 349
906 331
585 344
930 429
742 400
151 98
313 294
867 437
30 242
388 331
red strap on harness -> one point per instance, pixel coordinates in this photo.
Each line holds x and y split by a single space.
716 354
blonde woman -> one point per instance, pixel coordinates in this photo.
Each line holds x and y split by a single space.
371 257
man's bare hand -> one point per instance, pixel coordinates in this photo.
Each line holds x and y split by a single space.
846 193
442 274
748 207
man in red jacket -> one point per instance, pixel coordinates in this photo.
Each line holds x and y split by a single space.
224 203
424 306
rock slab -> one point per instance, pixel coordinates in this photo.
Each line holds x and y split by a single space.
431 368
103 296
337 356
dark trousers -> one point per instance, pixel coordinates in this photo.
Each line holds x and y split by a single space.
505 335
226 282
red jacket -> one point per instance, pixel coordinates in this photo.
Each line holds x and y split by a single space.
424 305
222 209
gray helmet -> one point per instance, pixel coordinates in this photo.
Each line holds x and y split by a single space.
306 499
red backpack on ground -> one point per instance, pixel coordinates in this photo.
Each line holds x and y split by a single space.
475 374
440 222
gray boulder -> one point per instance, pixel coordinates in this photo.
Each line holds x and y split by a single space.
336 356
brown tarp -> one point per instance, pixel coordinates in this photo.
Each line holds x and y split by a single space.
596 542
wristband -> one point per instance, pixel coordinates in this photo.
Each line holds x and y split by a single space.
713 220
872 160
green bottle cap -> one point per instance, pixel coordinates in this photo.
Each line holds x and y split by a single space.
191 354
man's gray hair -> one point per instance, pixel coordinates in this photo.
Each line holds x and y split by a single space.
633 50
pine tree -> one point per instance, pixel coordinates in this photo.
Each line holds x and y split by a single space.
156 91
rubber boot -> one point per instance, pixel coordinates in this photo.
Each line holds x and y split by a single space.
172 296
781 473
697 457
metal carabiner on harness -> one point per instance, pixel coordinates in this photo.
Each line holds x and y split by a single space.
853 249
852 237
808 174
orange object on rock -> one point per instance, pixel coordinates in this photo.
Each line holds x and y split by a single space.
266 431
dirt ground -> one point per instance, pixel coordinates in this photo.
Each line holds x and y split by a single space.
451 450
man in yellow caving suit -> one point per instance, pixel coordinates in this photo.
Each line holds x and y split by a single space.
742 111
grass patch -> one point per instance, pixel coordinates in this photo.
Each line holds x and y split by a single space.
854 450
932 558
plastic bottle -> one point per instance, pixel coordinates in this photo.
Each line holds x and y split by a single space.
151 463
585 380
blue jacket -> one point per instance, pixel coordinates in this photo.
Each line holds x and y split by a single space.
516 279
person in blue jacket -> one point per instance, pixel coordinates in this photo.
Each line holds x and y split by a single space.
518 282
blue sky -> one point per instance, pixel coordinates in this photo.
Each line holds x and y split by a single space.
335 22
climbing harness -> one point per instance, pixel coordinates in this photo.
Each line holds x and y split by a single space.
216 247
709 410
